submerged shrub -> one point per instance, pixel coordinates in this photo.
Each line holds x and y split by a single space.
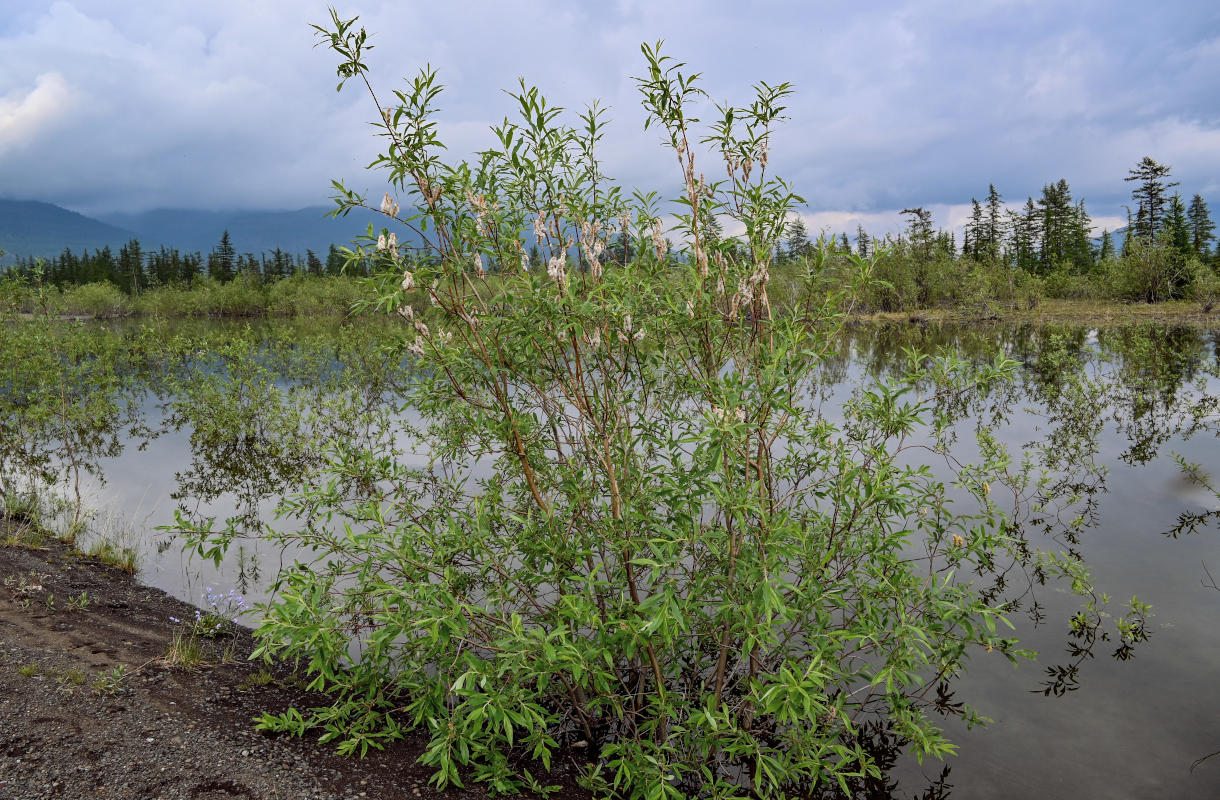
640 538
241 297
312 295
92 300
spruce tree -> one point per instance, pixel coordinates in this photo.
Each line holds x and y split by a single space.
222 262
975 232
190 267
995 225
130 268
101 267
313 264
1025 239
334 261
1128 232
1106 253
1080 247
798 244
1177 230
919 230
1149 196
1058 225
1202 229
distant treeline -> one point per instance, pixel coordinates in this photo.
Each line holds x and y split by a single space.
1044 249
134 269
1052 233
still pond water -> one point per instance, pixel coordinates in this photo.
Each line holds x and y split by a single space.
1078 722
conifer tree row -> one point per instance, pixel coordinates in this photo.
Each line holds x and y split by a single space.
1050 235
134 269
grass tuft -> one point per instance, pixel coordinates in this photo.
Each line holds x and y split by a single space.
125 558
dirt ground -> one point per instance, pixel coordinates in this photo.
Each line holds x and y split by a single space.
69 728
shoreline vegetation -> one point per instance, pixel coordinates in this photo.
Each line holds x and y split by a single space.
1009 264
343 296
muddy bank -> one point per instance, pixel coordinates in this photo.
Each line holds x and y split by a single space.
90 707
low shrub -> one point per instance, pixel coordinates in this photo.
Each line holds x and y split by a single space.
1150 273
100 300
241 297
633 533
310 295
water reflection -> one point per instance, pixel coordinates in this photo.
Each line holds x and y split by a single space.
226 420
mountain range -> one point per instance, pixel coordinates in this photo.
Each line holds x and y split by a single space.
29 228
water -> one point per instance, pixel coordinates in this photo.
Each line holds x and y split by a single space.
1113 728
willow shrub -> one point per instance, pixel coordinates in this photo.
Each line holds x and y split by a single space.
638 538
67 396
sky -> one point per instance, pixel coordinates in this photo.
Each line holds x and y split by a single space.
125 105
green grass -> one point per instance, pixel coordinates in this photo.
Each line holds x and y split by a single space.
72 677
256 680
125 558
21 534
185 650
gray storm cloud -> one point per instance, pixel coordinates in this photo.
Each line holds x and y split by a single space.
113 106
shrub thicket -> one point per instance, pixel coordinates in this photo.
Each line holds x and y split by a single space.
639 537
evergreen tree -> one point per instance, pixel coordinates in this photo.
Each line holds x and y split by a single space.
313 264
164 267
101 267
1057 225
975 232
281 265
67 268
222 262
1025 237
130 268
334 261
919 231
1128 232
1202 229
190 267
1149 196
1080 247
864 245
250 268
711 228
1177 230
1106 253
798 245
993 238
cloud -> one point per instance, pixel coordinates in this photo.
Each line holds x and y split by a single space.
920 103
26 115
950 217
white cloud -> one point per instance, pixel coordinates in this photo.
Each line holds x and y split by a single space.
879 223
26 115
